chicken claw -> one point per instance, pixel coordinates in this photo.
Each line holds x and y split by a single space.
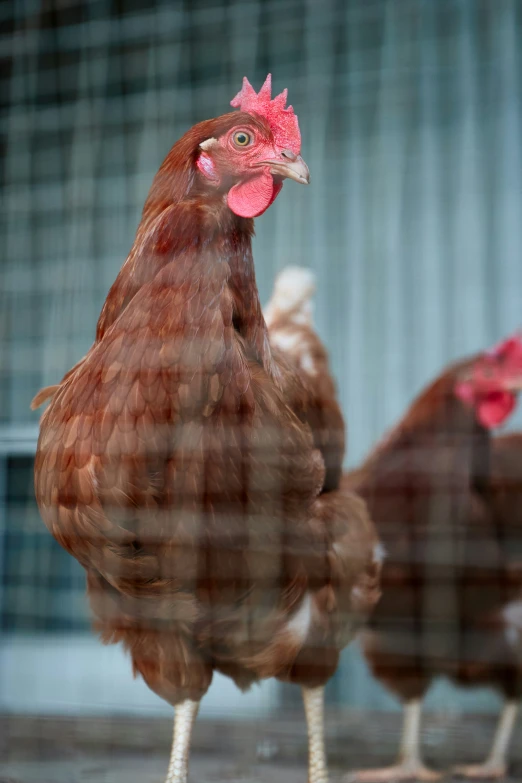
486 771
397 772
495 766
409 765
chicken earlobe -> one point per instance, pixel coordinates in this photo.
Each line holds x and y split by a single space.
184 718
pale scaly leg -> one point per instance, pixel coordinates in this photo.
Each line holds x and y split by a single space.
495 765
409 765
313 699
184 717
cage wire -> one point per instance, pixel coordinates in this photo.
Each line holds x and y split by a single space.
410 114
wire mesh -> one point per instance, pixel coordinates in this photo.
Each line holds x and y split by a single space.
410 114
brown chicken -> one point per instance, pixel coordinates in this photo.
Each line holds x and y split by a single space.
428 489
289 317
176 461
500 664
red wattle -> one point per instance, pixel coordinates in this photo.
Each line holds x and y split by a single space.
495 407
253 196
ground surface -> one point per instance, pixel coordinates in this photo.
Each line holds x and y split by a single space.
50 750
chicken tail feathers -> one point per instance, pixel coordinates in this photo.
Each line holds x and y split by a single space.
292 296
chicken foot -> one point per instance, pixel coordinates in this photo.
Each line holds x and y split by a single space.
184 718
495 765
313 699
409 765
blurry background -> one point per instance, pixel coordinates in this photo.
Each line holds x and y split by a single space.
410 112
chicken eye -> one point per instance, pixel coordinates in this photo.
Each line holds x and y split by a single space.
241 138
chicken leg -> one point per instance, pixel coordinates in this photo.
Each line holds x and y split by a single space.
184 717
313 699
496 763
409 765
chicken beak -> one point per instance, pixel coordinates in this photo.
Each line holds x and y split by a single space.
515 385
513 378
289 166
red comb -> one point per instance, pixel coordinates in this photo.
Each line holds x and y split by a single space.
283 122
510 346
